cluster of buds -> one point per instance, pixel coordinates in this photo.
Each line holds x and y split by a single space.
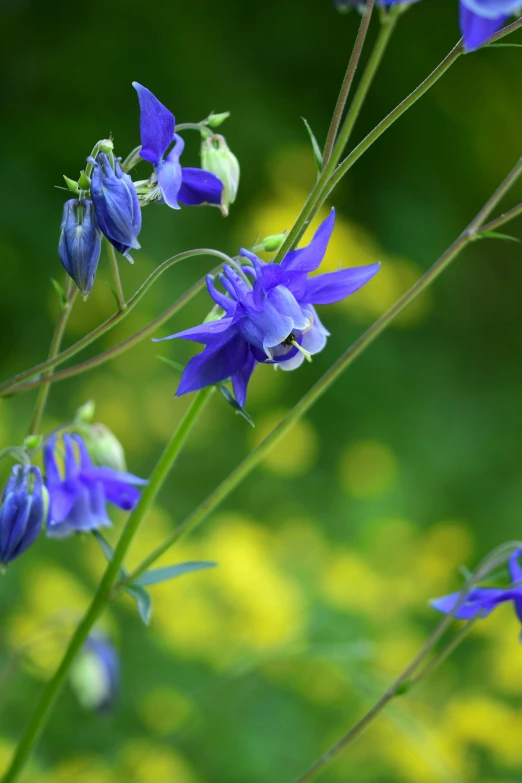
107 202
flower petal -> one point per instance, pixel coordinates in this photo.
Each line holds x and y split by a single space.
241 378
477 29
157 125
336 286
309 258
199 187
169 175
479 600
203 333
215 363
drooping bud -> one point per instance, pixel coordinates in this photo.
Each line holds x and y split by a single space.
215 120
217 158
104 447
24 510
115 204
95 674
80 243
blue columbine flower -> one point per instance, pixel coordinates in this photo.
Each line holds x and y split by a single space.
480 19
269 315
157 130
481 601
80 243
78 497
23 512
95 674
116 204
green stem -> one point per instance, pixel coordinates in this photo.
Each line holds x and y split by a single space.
116 279
331 176
8 386
71 292
257 455
409 677
388 22
347 82
103 593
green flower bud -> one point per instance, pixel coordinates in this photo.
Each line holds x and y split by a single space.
215 120
105 145
273 242
217 158
104 447
71 184
84 182
85 414
32 442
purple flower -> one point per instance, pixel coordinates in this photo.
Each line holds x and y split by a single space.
116 204
95 674
483 600
269 315
23 511
80 243
157 130
480 19
78 496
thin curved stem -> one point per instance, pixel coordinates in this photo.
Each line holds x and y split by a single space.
388 22
71 291
330 376
116 279
8 386
411 676
102 595
331 176
347 81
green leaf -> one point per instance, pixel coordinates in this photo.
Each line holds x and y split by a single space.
495 235
136 591
231 400
61 293
171 572
143 601
175 365
318 155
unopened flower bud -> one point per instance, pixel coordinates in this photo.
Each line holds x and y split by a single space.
273 242
95 674
215 120
116 204
85 412
105 145
80 243
217 158
72 184
24 509
104 447
84 181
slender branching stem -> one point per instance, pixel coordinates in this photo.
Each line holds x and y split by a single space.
116 279
330 376
71 292
103 593
347 82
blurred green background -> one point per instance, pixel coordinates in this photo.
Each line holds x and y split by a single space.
408 468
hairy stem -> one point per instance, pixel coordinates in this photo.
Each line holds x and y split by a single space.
71 292
102 595
347 82
257 455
